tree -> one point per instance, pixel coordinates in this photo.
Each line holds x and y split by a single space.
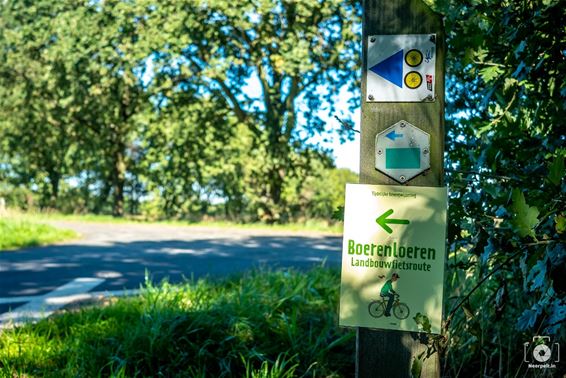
35 97
74 79
292 50
185 155
104 80
322 194
107 48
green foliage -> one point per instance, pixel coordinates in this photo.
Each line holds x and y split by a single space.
309 225
416 368
19 198
338 214
281 368
148 103
329 191
262 324
556 171
505 164
525 217
120 106
75 90
423 322
560 223
213 48
321 194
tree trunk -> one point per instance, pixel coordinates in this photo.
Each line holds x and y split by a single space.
134 198
103 197
50 192
275 206
54 180
86 193
119 180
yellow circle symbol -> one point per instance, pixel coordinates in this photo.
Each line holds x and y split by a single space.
413 80
413 58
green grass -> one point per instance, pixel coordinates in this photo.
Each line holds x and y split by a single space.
262 324
19 233
312 225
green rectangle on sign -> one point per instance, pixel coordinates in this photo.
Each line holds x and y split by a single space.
402 158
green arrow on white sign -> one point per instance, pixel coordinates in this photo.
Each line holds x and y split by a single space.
383 221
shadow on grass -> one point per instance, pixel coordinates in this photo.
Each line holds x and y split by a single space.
264 321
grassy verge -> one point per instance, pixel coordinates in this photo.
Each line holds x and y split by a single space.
315 225
262 324
19 233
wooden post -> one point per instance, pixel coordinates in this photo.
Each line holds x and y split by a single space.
385 353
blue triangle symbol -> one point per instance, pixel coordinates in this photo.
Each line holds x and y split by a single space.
391 69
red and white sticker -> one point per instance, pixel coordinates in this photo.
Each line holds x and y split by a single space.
429 82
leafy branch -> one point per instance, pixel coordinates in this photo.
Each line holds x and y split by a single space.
484 174
477 286
499 267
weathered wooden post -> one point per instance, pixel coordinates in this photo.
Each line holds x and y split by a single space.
402 83
390 353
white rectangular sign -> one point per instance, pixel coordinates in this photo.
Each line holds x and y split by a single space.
393 257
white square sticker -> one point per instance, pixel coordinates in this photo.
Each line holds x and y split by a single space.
401 68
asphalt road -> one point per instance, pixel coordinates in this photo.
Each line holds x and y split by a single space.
121 254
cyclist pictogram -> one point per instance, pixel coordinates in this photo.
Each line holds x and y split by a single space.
377 307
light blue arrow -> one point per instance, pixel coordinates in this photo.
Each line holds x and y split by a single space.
393 135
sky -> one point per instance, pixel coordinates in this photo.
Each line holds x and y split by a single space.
347 154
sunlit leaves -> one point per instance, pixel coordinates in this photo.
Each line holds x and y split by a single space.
416 367
490 73
423 322
525 217
265 61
